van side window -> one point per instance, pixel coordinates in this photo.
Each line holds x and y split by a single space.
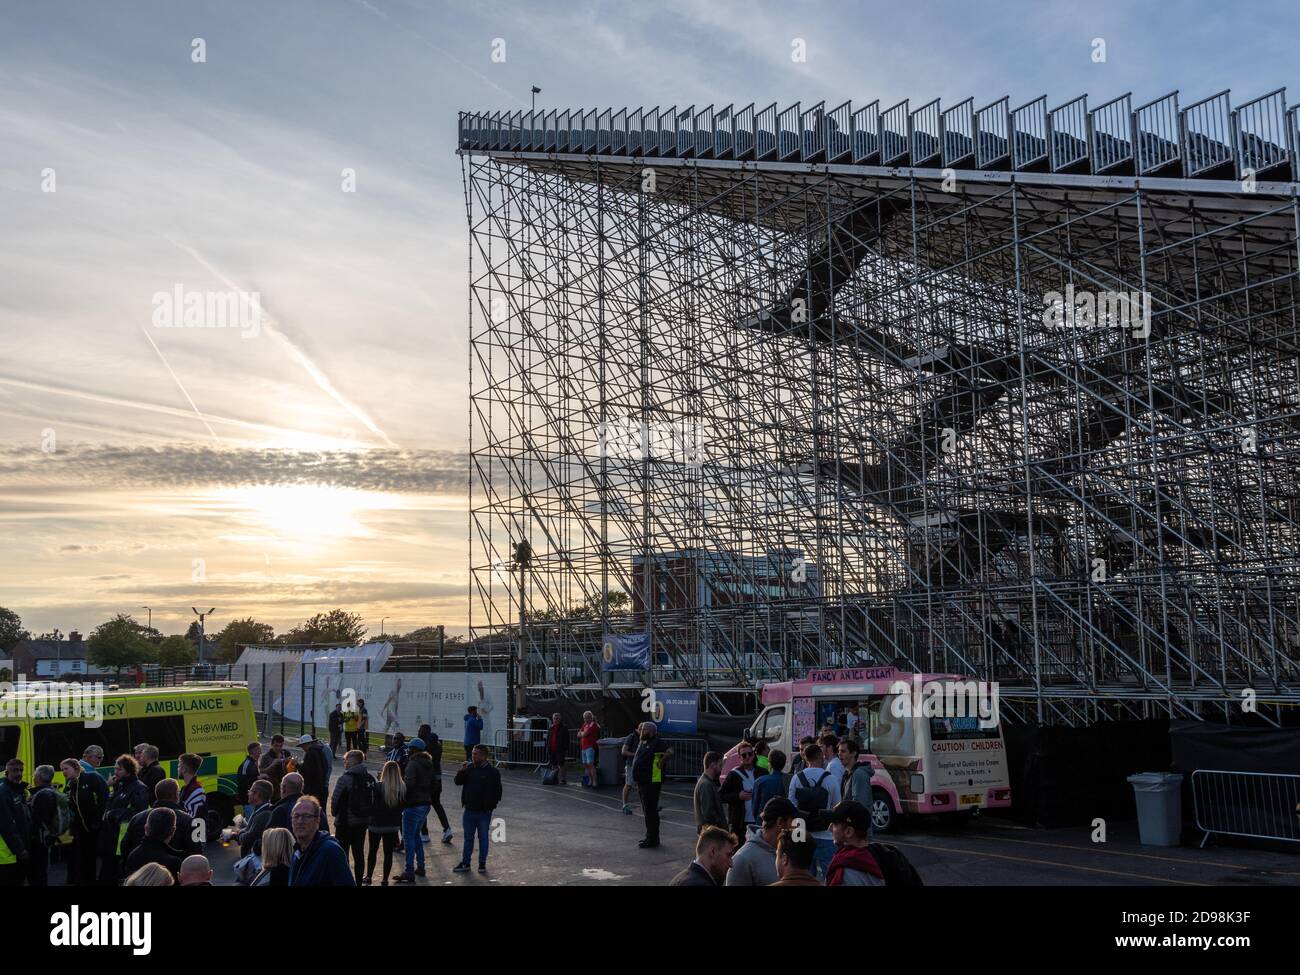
773 725
52 743
165 731
10 735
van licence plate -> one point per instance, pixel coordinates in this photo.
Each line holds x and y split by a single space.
970 799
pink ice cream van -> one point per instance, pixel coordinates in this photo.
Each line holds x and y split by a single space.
934 740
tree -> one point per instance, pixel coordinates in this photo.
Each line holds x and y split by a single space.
11 629
239 633
336 626
118 643
175 651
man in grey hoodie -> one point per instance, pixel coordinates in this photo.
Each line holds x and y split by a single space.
754 865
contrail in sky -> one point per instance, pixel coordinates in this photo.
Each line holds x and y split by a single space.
179 385
268 325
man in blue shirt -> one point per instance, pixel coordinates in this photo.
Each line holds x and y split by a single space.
473 731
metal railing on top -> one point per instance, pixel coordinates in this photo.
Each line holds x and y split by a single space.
1209 138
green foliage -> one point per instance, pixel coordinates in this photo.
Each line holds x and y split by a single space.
175 651
336 626
118 643
11 629
239 633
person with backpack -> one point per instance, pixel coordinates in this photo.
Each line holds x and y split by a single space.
352 805
386 819
15 826
127 798
815 791
853 865
51 818
87 797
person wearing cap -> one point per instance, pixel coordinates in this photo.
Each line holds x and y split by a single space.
419 797
315 769
853 865
754 864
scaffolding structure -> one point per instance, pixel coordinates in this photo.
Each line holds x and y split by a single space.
974 395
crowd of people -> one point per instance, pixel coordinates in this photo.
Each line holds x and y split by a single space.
139 827
812 826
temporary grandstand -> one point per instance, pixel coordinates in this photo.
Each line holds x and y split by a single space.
1017 388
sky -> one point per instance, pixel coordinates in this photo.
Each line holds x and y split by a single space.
305 153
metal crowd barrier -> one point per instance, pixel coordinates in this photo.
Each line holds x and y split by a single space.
1263 805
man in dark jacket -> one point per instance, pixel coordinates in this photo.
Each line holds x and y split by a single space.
87 797
738 791
707 803
247 775
259 797
318 861
166 796
127 798
336 727
155 847
281 812
712 860
15 826
419 795
557 748
151 770
315 769
351 805
480 794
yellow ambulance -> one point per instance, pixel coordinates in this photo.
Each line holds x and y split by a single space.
44 722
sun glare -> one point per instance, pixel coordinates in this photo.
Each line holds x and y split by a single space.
305 514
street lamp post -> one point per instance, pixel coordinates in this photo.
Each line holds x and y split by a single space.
202 617
150 609
381 626
536 91
58 661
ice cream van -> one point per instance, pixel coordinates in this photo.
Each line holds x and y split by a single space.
934 740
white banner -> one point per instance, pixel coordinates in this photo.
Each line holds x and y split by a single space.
404 701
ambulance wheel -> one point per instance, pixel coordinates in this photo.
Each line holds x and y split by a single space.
884 819
221 813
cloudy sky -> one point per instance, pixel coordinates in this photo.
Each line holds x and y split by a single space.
318 461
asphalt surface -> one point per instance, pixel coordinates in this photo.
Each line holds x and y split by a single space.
567 835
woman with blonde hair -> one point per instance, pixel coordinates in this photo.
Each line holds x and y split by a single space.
151 875
386 818
277 854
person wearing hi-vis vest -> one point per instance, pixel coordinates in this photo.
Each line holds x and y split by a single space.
15 826
129 796
652 754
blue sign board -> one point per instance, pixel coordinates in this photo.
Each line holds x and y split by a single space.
625 651
679 710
